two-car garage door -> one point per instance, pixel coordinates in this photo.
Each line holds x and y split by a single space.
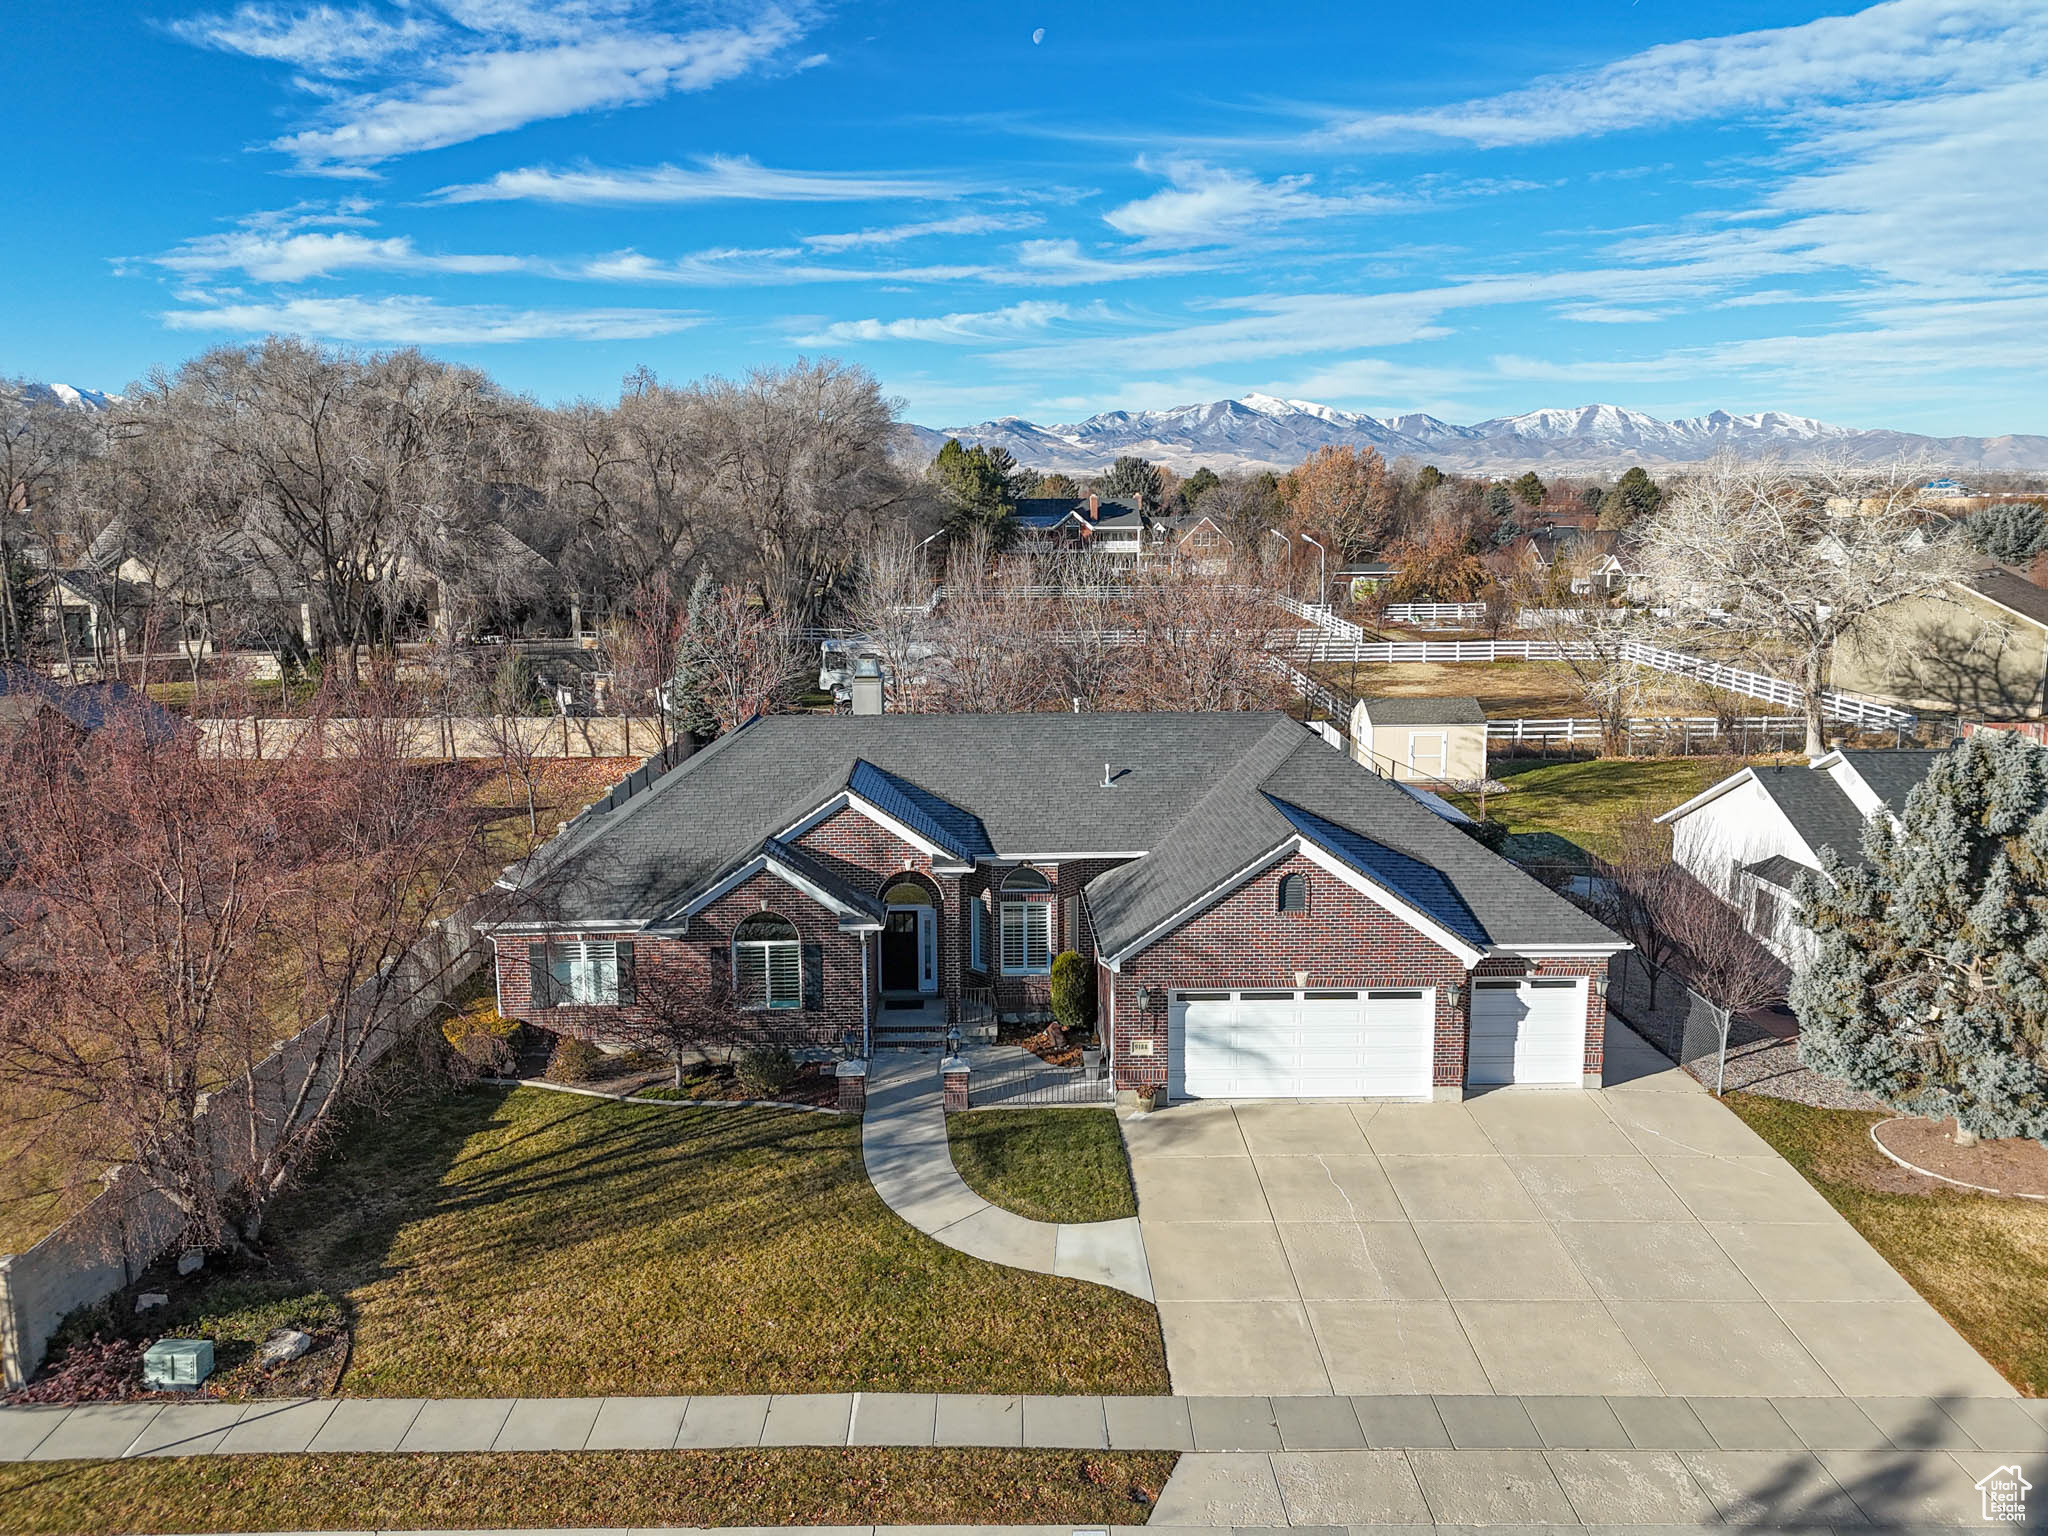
1298 1045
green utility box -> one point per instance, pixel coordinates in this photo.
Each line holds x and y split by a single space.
173 1365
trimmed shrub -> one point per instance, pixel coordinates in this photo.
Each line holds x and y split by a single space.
1073 993
577 1061
764 1071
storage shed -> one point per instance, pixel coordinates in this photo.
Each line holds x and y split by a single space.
1428 741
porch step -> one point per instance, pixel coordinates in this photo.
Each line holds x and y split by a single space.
910 1037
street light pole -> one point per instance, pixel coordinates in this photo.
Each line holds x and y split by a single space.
1322 572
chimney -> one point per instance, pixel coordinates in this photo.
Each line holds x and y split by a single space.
867 686
1094 507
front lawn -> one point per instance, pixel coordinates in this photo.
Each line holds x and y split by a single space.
1980 1260
518 1242
565 1490
1585 802
1047 1164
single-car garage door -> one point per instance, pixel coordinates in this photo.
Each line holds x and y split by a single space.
1302 1045
1527 1032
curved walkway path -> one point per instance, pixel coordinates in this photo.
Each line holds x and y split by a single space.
903 1140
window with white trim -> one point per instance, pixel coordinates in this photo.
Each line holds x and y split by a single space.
584 974
767 963
977 934
1027 938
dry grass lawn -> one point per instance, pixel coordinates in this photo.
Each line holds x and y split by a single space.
1046 1164
522 1243
561 1491
1585 803
1531 690
1980 1260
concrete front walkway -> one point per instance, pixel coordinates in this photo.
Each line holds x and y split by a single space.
910 1163
1632 1241
1218 1425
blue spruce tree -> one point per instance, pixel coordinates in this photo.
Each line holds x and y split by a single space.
1927 985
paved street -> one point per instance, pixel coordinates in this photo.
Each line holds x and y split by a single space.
1637 1240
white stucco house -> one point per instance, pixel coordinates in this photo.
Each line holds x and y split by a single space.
1750 836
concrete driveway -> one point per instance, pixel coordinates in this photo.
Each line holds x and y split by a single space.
1635 1240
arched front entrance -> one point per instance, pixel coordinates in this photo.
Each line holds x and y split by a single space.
910 939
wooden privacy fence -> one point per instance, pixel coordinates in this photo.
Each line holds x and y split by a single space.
443 738
129 1225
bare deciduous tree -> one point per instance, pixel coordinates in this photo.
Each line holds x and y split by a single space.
1804 553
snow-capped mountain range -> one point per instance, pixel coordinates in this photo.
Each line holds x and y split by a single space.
69 395
1264 432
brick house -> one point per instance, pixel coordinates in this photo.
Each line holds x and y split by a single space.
1266 917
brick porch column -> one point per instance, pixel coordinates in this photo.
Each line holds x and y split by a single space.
954 1071
853 1087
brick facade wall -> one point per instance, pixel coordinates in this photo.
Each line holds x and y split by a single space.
688 962
1343 940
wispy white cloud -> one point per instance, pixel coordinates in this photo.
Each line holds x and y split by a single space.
1888 51
1028 317
1609 314
413 320
485 66
326 39
1064 262
715 178
1204 205
758 268
896 234
293 258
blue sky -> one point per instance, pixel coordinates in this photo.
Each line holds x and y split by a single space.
1049 210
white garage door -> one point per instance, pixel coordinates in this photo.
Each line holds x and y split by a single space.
1527 1032
1302 1045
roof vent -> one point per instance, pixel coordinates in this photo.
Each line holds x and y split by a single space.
1108 778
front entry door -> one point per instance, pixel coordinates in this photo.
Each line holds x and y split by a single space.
899 950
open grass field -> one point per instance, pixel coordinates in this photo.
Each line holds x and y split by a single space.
1980 1260
1530 690
1047 1164
560 1491
1585 802
500 1243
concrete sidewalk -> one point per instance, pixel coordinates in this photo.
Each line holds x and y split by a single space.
903 1142
105 1431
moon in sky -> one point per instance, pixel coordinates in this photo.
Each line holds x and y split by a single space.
1038 35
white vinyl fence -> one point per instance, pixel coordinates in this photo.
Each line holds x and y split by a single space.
1434 615
129 1225
1680 733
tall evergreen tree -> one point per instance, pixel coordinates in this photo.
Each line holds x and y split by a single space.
1635 495
2011 533
980 488
1530 488
1927 982
1133 479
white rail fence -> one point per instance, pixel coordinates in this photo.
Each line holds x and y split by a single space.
1682 731
108 1242
1434 615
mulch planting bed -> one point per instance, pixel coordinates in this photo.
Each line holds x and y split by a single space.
2009 1166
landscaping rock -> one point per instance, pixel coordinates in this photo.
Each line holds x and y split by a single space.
283 1347
191 1261
149 1301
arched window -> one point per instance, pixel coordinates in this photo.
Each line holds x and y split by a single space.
1026 931
906 893
767 962
1293 893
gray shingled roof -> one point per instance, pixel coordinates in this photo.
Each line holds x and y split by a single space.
1892 774
1444 711
1819 811
1187 793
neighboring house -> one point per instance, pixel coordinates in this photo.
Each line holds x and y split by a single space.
1980 649
1266 917
1594 556
1751 836
1430 741
26 696
1945 489
1363 580
1193 537
1083 523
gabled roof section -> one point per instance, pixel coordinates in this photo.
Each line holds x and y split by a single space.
800 862
1892 774
1822 815
1417 884
1433 711
958 831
